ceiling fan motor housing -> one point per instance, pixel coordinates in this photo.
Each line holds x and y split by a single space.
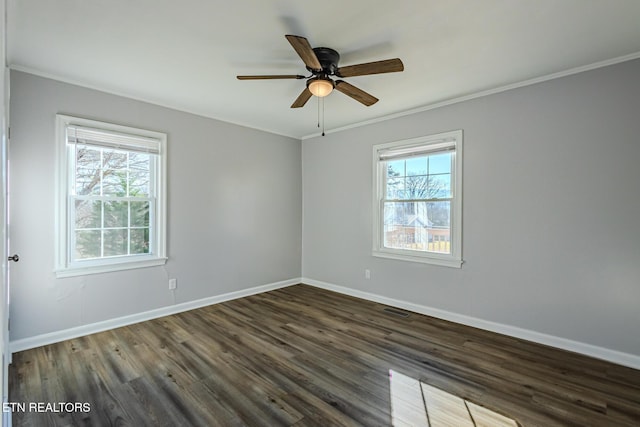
328 59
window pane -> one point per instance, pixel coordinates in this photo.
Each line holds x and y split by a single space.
404 225
439 214
395 188
417 187
139 214
116 214
113 159
138 183
87 157
416 166
114 175
139 241
115 242
88 213
139 161
87 182
439 186
114 183
395 168
88 244
87 174
439 231
440 163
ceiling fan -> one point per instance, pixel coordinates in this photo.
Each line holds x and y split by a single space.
322 62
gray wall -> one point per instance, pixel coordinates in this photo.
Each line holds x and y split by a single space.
234 210
551 234
551 209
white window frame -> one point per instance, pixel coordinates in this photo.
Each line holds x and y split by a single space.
426 144
64 267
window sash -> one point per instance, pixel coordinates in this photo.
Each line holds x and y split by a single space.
73 229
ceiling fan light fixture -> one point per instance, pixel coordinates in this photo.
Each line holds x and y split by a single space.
320 87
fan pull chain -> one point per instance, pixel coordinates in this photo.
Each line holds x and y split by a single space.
322 116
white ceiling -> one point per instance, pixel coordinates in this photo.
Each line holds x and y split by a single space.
186 54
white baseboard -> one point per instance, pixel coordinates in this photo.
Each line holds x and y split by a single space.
53 337
620 358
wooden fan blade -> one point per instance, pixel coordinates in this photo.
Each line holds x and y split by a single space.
355 93
303 49
275 76
302 99
377 67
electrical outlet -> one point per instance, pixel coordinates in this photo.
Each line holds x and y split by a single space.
173 283
367 274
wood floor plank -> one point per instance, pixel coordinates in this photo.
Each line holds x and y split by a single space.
302 356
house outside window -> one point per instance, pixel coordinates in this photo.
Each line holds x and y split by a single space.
418 199
111 191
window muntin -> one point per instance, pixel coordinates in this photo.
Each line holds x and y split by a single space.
417 208
111 197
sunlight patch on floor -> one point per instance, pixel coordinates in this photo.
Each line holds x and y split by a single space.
416 404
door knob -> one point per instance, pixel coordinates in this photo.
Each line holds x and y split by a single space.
14 258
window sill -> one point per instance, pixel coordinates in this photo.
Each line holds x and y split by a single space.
448 262
108 268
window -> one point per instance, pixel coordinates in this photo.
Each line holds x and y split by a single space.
111 197
418 199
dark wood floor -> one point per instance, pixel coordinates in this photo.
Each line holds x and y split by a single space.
302 356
